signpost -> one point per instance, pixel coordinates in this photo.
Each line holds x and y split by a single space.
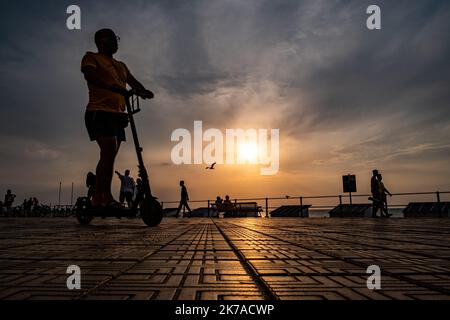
349 185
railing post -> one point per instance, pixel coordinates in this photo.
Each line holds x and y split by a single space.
267 207
386 206
340 204
209 205
438 196
301 206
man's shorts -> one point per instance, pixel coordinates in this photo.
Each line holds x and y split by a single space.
105 124
128 196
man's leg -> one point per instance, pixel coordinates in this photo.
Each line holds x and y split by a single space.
374 209
109 146
186 206
179 208
375 206
381 207
121 197
384 209
138 200
129 198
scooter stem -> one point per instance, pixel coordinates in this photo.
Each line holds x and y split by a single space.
142 170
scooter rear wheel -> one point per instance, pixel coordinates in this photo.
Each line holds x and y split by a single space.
82 213
151 212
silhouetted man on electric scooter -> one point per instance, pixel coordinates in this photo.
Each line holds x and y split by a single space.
105 115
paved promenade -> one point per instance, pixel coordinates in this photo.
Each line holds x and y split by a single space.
202 258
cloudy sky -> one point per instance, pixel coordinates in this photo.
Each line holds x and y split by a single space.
345 99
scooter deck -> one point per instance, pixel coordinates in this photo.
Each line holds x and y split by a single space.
113 212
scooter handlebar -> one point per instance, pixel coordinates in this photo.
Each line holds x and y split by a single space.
129 93
124 92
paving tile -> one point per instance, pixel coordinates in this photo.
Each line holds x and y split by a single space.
225 259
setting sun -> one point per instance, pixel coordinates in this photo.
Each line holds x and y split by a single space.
248 151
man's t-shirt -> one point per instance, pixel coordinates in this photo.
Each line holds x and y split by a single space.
374 187
184 193
111 72
127 184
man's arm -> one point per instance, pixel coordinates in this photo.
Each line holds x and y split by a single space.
139 88
91 75
118 173
388 192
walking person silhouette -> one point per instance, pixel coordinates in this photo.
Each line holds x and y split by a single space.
184 201
105 116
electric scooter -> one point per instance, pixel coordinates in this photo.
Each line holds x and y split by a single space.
149 208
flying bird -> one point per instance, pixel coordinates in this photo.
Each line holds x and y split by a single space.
211 167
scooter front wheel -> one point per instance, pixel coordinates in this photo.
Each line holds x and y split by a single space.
151 212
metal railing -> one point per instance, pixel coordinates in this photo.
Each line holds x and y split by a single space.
266 203
40 211
269 203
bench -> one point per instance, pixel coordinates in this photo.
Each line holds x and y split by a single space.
351 211
237 209
301 211
427 210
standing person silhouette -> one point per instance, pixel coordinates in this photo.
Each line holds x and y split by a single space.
184 201
375 190
105 116
139 193
127 186
9 200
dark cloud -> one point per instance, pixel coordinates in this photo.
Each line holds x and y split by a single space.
310 68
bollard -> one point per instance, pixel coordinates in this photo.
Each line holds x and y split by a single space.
267 207
209 205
